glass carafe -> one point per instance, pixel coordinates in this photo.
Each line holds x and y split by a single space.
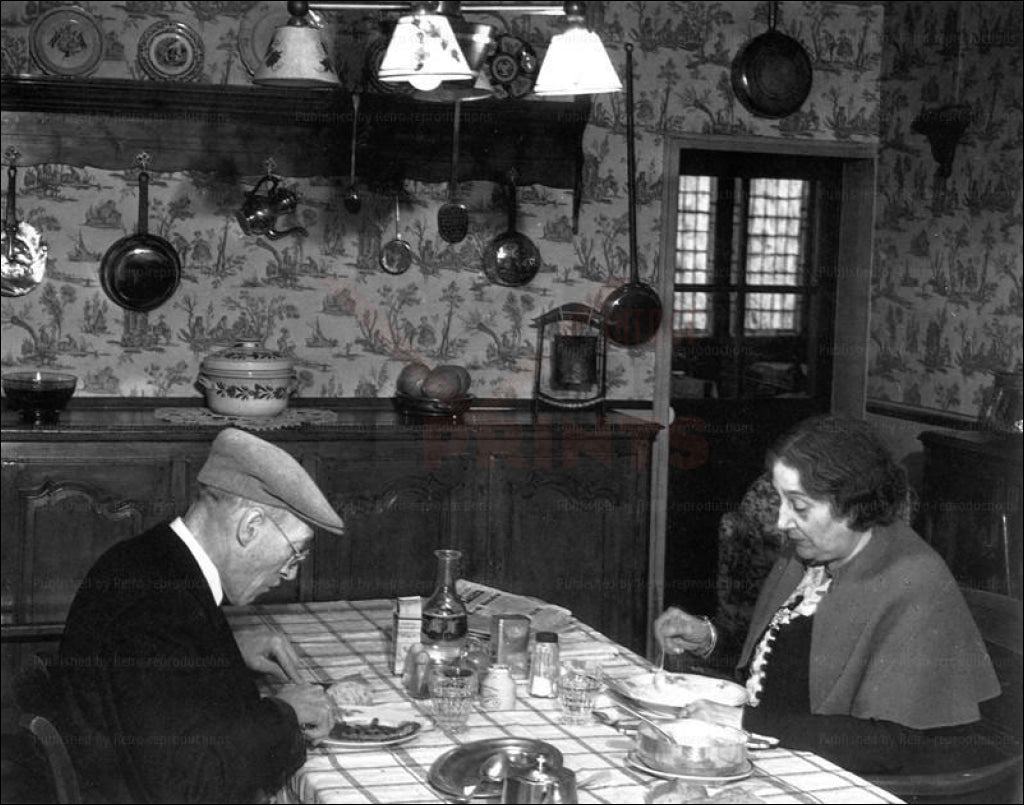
445 618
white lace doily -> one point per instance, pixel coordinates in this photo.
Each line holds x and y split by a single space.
289 418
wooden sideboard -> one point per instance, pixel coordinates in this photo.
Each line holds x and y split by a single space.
970 508
554 505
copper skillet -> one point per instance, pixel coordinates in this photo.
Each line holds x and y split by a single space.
771 74
632 312
142 271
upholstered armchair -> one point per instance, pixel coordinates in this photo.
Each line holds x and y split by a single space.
748 544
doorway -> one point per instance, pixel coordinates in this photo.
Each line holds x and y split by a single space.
766 260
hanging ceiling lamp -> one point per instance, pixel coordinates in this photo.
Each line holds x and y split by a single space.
296 55
576 62
424 51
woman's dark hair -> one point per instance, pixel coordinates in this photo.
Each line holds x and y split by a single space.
843 460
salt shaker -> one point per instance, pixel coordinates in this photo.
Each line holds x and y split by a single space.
498 690
544 667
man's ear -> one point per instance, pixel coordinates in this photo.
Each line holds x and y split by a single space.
248 528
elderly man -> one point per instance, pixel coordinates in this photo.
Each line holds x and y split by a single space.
159 700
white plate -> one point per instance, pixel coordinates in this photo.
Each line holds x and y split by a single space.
715 779
677 690
66 41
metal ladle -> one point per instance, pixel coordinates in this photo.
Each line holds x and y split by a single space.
396 254
352 201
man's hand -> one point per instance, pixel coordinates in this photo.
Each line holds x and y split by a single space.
268 652
312 708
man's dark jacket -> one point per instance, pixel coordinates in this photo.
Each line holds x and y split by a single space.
158 705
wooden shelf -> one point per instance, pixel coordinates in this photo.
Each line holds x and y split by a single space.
232 130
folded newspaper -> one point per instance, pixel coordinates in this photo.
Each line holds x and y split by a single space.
483 602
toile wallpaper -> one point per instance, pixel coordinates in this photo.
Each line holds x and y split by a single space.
947 304
349 326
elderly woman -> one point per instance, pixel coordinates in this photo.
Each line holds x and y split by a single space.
861 648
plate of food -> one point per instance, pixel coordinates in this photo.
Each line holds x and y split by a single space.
66 41
374 726
667 693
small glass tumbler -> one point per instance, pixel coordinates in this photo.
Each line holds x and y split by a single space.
453 689
578 688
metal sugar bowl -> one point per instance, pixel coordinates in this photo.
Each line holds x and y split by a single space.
532 779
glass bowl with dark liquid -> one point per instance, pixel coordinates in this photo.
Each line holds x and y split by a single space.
40 396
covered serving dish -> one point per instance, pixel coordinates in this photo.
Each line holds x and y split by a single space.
700 748
247 379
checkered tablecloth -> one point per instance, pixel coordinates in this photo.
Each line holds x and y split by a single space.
336 639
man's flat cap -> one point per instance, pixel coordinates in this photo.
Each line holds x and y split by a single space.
246 465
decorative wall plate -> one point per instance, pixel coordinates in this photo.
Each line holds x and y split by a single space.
66 41
512 66
171 51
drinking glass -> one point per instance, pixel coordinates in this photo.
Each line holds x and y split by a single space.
453 689
577 690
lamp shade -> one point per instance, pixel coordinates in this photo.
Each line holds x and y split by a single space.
296 56
576 64
424 51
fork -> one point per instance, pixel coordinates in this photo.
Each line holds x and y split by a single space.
660 675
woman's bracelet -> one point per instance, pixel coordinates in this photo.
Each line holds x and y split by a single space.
714 637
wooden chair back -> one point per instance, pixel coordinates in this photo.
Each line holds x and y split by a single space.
34 695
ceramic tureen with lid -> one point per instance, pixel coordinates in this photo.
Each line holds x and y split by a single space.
247 379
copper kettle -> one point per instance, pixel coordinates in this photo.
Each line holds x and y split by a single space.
260 211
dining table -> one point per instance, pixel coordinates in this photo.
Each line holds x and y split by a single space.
350 639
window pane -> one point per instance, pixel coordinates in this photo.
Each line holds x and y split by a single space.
689 315
778 215
770 313
694 246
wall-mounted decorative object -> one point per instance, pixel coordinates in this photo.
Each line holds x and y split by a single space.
511 259
66 41
512 66
452 216
352 201
260 211
396 255
171 51
140 272
632 312
944 127
771 74
569 371
24 253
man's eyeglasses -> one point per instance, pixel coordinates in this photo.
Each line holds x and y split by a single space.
297 556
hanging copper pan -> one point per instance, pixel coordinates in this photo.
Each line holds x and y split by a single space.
632 312
771 74
140 272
